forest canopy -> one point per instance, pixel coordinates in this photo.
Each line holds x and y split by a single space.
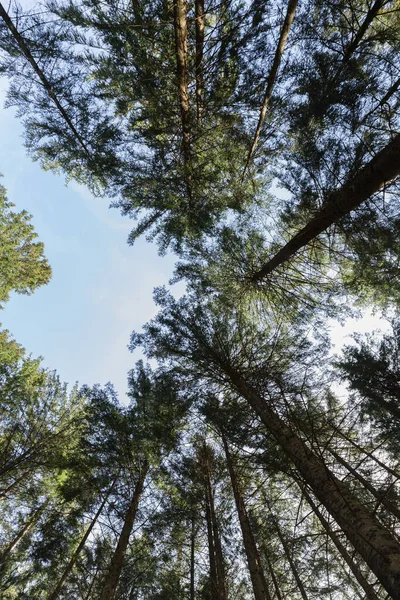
259 142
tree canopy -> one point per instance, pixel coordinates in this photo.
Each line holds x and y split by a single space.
260 141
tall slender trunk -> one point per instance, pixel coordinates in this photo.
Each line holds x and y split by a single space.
367 587
14 484
45 82
199 13
217 568
376 545
211 550
192 556
219 558
32 520
117 560
382 169
56 592
290 13
273 577
288 554
370 16
380 496
181 41
260 587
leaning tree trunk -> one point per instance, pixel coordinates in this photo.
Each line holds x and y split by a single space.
377 546
260 587
14 484
33 518
288 554
117 560
43 79
291 10
211 550
57 590
380 496
382 169
367 587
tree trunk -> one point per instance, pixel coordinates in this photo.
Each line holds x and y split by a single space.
260 587
181 33
273 577
376 545
211 549
192 556
199 8
34 517
288 554
370 16
382 169
12 485
291 10
380 496
217 568
367 587
117 560
219 559
54 595
45 82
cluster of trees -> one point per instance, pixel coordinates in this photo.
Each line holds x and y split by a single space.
242 467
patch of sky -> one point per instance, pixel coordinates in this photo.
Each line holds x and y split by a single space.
101 288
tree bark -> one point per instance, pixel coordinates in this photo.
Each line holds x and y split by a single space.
217 569
370 16
288 554
380 496
273 577
45 82
4 554
117 560
199 13
291 10
211 549
181 33
56 592
375 544
12 485
382 169
192 556
367 587
260 587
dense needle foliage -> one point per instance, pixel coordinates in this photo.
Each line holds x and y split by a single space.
260 141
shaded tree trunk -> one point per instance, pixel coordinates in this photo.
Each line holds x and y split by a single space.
380 496
14 484
217 568
376 545
273 577
54 595
199 13
33 518
117 560
260 587
288 554
382 169
290 13
192 556
181 34
367 587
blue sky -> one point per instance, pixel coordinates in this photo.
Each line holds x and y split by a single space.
101 288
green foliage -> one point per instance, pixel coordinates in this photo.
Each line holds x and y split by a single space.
23 266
